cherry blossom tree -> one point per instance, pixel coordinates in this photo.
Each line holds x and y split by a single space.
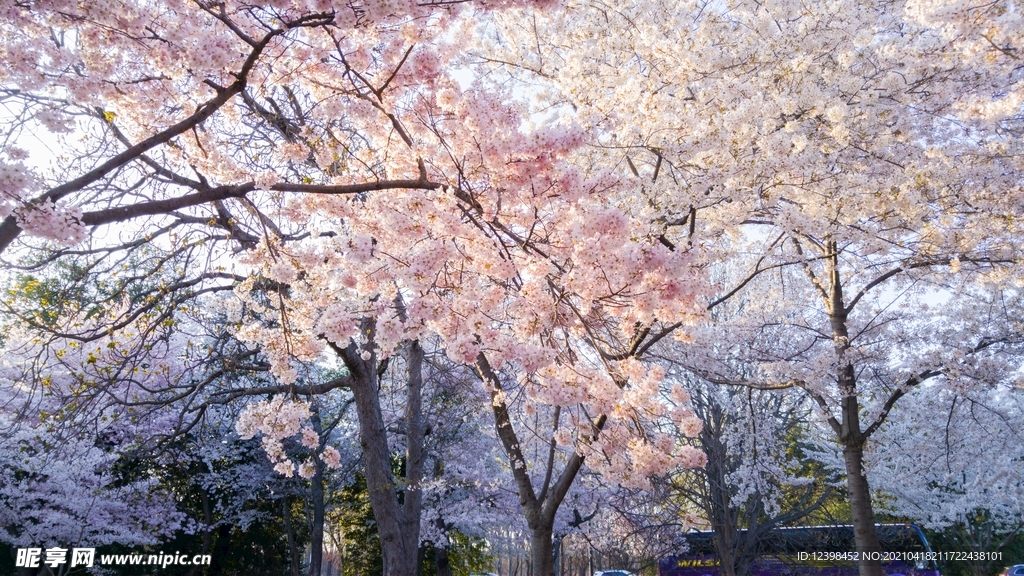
337 167
904 341
154 391
872 147
377 202
67 490
757 478
73 496
938 477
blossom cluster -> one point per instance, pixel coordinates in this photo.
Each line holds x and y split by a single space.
55 222
278 419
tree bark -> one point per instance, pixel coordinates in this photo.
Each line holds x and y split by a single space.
539 510
851 437
719 508
412 495
541 550
397 515
293 553
316 533
381 484
444 566
864 531
207 528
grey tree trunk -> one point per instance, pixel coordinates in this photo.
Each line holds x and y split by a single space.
316 533
293 552
851 437
539 509
718 504
441 560
396 503
541 551
864 532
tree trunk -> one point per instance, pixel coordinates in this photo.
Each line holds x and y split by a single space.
316 535
207 528
397 516
863 516
444 566
563 565
399 559
412 495
220 550
293 553
541 551
851 437
539 509
726 552
316 532
718 503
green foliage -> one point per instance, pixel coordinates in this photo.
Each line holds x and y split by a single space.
827 486
42 301
359 542
468 555
65 292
